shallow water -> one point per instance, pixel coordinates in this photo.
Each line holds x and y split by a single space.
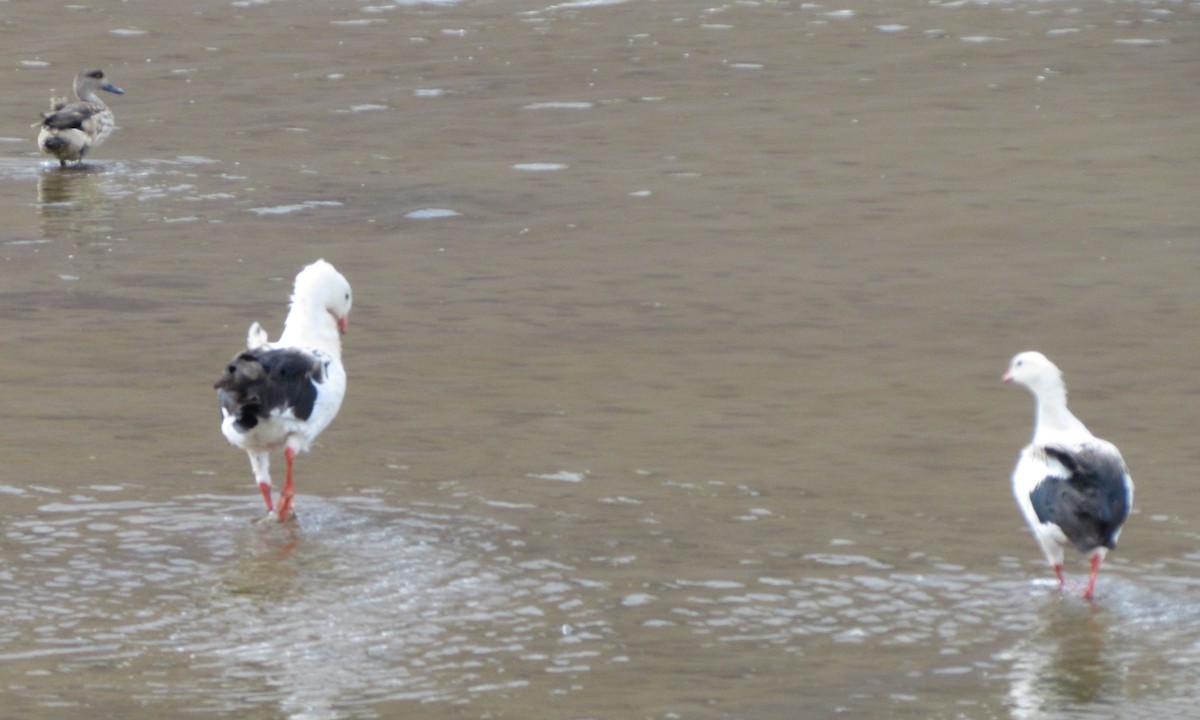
673 370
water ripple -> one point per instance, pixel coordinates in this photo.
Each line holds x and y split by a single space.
360 604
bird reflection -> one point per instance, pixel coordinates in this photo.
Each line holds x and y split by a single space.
73 202
263 568
1062 664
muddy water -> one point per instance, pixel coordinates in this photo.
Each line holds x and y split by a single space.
673 367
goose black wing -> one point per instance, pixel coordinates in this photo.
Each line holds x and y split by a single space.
258 384
1089 501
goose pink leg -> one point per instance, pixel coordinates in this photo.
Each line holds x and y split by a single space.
1090 592
266 493
285 498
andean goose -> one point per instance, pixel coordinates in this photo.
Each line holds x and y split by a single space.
286 392
71 128
1072 487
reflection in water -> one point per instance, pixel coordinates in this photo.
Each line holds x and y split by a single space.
75 203
358 605
373 605
355 604
1136 644
1064 662
86 203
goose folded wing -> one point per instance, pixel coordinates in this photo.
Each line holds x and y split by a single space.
258 385
1084 494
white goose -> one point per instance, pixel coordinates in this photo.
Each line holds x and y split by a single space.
286 392
71 128
1072 487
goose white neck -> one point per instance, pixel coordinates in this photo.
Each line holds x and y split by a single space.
1052 420
310 324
